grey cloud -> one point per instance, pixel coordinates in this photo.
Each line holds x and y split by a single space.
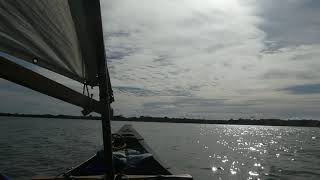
289 23
287 74
186 102
305 57
163 60
272 47
118 54
205 108
136 91
303 89
124 34
117 51
182 107
198 18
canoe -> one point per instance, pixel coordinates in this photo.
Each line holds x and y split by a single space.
133 159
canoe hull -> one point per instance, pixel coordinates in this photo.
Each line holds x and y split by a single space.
141 161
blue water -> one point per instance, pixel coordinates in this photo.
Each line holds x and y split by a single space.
30 146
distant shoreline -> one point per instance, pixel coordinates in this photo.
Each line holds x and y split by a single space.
261 122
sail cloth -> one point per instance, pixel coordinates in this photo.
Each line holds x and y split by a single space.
55 34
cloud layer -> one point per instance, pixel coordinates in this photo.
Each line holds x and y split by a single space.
212 59
247 54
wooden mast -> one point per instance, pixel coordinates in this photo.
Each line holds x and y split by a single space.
104 90
106 119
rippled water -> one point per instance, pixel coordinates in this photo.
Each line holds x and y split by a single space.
50 146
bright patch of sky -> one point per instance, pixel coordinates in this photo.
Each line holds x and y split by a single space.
213 59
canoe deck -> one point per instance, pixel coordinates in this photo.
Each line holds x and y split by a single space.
150 165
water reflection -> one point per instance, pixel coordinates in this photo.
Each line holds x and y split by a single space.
257 164
253 173
246 152
214 169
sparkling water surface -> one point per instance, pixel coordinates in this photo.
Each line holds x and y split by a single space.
30 146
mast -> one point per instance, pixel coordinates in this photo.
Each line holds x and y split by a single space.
106 118
104 91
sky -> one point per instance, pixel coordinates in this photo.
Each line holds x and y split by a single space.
212 59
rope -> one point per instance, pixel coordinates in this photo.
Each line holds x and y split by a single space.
85 91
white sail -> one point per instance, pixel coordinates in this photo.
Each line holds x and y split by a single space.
54 34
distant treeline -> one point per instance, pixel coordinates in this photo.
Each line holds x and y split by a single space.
61 116
240 121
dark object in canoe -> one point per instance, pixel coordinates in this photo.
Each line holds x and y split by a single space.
133 159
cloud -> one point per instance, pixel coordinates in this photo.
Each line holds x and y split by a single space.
193 46
206 50
304 89
135 91
210 59
287 74
290 22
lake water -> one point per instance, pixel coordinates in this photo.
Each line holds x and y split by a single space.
30 146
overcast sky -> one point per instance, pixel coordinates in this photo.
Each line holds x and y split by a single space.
213 59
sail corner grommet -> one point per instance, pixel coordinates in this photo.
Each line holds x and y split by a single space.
35 60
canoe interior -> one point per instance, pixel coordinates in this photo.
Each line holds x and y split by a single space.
150 165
